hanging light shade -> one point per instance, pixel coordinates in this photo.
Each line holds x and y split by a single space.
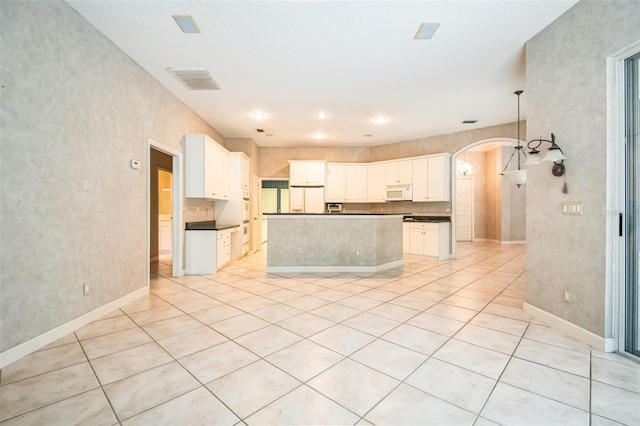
519 176
554 154
534 158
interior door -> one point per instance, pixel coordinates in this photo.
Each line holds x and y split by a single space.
464 209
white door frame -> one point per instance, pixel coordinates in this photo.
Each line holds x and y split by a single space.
177 236
470 178
454 176
616 198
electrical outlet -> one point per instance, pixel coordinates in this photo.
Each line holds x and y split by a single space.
86 289
566 295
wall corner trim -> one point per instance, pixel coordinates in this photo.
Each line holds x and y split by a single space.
600 343
14 354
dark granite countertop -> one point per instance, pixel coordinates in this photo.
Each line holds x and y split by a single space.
426 218
207 225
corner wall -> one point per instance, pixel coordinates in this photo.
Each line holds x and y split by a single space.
567 95
73 107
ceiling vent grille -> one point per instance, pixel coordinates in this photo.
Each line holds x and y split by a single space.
195 78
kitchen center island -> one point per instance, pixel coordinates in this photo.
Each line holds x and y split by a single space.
333 242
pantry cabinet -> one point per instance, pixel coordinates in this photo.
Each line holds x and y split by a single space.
306 173
431 178
346 183
206 168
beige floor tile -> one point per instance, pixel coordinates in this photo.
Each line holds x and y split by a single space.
615 403
409 406
360 302
344 340
244 390
129 362
303 406
192 341
353 385
89 408
138 393
371 324
254 303
507 311
114 342
415 338
452 312
43 361
216 314
305 359
143 304
155 314
170 327
306 303
465 302
495 322
551 383
197 407
69 338
239 326
555 357
474 358
335 312
306 324
437 324
209 364
553 337
487 338
36 392
198 304
268 340
102 327
277 312
513 406
389 358
453 384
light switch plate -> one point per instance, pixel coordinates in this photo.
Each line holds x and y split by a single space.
573 208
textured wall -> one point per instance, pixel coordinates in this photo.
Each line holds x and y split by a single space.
73 107
567 95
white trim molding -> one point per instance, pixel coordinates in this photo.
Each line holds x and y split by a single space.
28 347
603 344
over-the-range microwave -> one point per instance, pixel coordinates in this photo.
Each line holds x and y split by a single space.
403 192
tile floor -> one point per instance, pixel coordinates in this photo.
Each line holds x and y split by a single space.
442 343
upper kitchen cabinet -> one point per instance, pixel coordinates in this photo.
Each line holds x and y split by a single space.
431 178
206 168
376 186
346 183
306 173
398 172
246 174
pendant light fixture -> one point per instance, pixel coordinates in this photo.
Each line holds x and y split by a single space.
519 176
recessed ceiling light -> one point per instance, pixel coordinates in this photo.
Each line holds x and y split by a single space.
258 115
186 24
321 115
368 135
380 120
426 30
319 135
469 121
268 134
260 130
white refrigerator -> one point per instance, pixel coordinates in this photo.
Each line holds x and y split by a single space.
306 199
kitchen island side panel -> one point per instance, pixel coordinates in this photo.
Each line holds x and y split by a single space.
363 242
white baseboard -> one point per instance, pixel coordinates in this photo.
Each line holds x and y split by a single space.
497 241
51 336
311 269
513 242
603 344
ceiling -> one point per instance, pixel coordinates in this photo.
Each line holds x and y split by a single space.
354 60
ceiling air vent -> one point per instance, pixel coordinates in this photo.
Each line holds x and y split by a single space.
195 78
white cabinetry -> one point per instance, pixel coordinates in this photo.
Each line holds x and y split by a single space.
306 173
377 188
232 212
397 172
246 175
346 183
223 252
164 236
431 178
206 168
429 239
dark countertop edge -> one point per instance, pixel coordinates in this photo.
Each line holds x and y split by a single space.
335 214
207 225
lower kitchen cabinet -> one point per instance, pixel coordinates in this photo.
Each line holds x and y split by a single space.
406 237
429 239
207 250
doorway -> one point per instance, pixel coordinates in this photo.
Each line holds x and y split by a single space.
164 177
464 208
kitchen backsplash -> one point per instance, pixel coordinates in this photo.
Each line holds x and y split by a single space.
435 208
196 210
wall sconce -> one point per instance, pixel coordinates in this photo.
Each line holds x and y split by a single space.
555 155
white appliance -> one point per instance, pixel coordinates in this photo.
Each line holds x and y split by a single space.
306 199
402 192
